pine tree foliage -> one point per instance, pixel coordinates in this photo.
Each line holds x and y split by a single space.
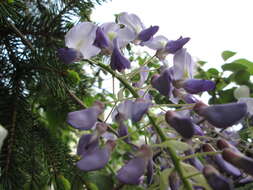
36 91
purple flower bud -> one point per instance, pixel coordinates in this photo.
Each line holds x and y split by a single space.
174 45
69 55
87 143
85 119
123 131
131 172
148 33
222 144
140 107
174 181
215 180
239 160
183 125
163 82
223 115
189 99
198 130
101 40
195 86
96 159
194 161
118 61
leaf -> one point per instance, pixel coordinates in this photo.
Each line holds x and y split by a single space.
248 64
62 183
177 145
213 71
164 178
101 180
233 67
227 96
227 54
242 77
73 76
198 179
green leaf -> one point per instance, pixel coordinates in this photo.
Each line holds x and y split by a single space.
199 179
248 64
62 183
177 145
73 76
213 71
101 180
227 54
164 178
233 67
242 77
227 96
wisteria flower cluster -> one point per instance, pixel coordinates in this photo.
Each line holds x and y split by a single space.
178 143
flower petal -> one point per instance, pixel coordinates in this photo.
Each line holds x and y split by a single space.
83 119
69 55
156 43
195 86
132 171
148 33
86 144
101 40
123 131
118 61
249 103
139 108
174 45
94 160
81 38
132 21
223 115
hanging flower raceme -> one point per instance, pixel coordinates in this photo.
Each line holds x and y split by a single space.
183 125
85 119
131 172
137 28
216 180
89 142
165 46
96 159
223 115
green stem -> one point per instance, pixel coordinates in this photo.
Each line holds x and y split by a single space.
175 159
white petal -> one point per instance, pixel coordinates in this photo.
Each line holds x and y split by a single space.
156 43
241 92
125 35
249 102
183 65
132 21
81 38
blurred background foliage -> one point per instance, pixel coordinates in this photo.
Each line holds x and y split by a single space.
37 91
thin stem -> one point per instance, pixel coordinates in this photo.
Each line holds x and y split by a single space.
175 159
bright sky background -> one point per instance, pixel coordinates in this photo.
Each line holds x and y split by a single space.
212 25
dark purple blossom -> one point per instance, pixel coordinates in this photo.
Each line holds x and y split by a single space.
118 61
223 115
69 55
139 108
101 40
195 86
174 45
87 143
147 33
183 125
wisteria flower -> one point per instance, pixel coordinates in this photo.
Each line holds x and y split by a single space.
137 28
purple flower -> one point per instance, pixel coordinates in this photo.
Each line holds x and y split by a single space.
174 45
144 71
118 61
222 144
194 161
101 41
96 159
239 160
183 125
87 143
137 28
81 38
123 131
69 55
85 119
223 115
163 82
195 86
131 172
215 180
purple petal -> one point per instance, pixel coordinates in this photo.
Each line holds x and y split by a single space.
198 130
222 144
148 33
174 181
123 131
156 43
94 160
139 108
189 99
195 86
215 180
132 171
239 160
118 61
83 119
183 125
101 40
86 144
183 65
223 115
150 172
194 161
69 55
163 82
144 71
123 110
174 45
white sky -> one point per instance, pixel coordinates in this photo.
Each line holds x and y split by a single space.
212 25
